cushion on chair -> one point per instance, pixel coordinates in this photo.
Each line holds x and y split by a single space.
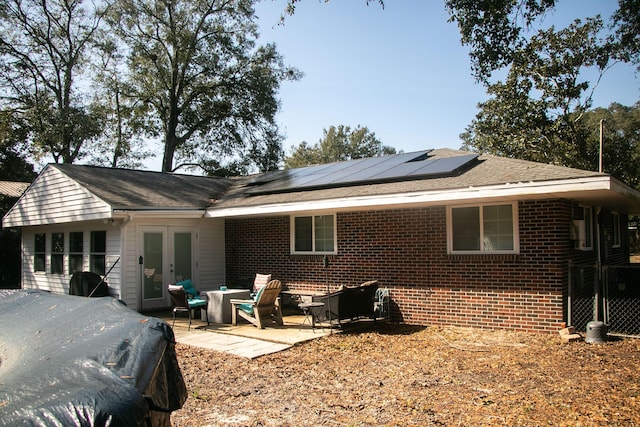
260 281
188 287
248 308
197 302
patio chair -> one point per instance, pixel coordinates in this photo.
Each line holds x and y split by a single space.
265 306
260 281
183 301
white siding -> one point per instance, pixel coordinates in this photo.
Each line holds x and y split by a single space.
209 253
59 283
130 266
212 254
123 244
54 198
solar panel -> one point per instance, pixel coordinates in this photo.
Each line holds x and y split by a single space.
371 170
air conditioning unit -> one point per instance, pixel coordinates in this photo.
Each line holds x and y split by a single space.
578 233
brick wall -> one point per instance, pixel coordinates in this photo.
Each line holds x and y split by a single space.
406 251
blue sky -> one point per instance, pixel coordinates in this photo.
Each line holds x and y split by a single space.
400 71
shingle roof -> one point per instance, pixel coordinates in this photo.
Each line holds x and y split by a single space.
128 189
489 170
13 188
133 189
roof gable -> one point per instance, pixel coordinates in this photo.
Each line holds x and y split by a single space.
54 198
66 193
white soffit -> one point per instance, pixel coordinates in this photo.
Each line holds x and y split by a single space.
600 190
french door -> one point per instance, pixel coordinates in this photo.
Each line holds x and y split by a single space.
167 257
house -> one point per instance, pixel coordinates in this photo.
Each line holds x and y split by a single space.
143 228
458 238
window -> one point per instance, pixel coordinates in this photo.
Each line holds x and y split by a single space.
97 257
588 242
40 247
588 228
57 253
75 251
487 228
313 234
616 229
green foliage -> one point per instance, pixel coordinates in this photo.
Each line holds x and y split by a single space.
13 158
338 144
536 113
621 140
496 30
626 22
202 83
44 49
120 142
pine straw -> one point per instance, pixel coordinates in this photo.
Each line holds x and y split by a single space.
399 375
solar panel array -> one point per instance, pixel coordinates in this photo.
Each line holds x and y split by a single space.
391 168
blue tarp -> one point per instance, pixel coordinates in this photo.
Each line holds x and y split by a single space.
72 360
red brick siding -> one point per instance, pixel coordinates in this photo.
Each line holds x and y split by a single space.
406 251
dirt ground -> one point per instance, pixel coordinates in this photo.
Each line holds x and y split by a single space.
399 375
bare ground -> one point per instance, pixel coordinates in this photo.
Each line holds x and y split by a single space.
399 375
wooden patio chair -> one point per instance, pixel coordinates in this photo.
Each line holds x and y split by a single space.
181 300
264 307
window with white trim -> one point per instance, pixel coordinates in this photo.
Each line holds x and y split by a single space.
313 234
616 229
39 253
98 252
588 228
483 229
57 253
76 248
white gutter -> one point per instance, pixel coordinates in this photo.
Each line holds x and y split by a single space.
550 189
128 215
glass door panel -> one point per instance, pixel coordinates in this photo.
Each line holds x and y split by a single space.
182 255
153 287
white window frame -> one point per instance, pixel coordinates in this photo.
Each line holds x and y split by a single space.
94 254
40 254
313 251
615 224
480 206
588 227
59 257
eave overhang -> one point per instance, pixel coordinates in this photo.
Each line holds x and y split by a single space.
599 190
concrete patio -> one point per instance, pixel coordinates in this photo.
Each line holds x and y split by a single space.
245 339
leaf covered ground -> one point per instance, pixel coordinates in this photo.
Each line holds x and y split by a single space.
400 375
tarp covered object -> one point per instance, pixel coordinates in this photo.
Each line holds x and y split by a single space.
71 360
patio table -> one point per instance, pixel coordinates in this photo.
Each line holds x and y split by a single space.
219 307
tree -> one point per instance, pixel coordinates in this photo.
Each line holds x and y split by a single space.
496 30
44 48
14 165
203 85
626 22
621 140
536 114
121 133
338 144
